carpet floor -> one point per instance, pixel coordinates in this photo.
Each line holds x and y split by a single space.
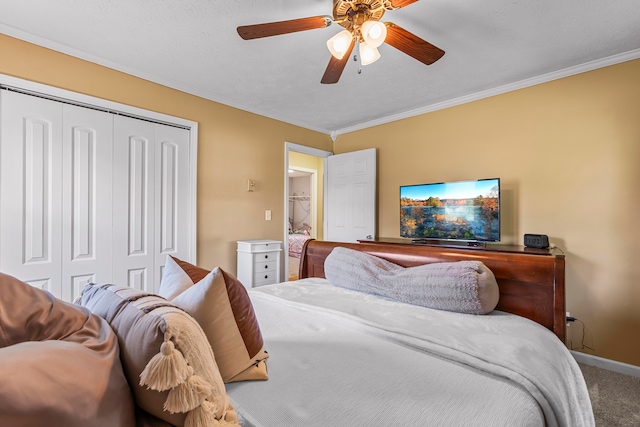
615 397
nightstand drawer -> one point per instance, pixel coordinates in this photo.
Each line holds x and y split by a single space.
265 266
259 246
266 256
264 278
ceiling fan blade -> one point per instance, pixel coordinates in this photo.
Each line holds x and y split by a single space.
412 45
249 32
336 66
397 4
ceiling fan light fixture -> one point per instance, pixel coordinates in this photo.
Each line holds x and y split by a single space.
339 43
374 33
368 54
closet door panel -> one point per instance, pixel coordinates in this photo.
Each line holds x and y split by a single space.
133 203
87 194
30 189
172 195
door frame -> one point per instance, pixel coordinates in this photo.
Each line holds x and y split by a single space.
288 147
70 97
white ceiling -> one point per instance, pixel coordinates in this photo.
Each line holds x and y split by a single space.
491 46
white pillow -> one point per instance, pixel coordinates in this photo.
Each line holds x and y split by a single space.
174 280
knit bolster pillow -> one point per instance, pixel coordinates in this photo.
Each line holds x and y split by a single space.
464 286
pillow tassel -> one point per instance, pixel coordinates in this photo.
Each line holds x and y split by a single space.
166 369
202 416
188 395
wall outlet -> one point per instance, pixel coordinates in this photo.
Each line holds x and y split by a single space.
267 215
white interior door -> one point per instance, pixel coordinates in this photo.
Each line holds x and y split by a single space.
31 190
350 200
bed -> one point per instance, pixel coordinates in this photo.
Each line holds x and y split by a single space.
344 357
196 355
296 243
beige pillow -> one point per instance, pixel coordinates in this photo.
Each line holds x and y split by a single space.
221 305
59 364
166 357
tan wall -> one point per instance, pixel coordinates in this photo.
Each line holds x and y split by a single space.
568 155
233 146
317 163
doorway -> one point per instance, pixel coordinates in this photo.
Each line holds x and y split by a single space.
304 201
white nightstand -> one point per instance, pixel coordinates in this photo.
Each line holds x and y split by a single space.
259 262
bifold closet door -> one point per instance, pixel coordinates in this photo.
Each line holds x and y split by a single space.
31 190
87 144
55 190
89 196
151 200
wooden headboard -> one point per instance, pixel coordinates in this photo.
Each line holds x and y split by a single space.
531 285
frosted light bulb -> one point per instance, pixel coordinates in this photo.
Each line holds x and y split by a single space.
374 33
339 43
368 54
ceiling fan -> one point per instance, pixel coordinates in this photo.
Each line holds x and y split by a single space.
361 20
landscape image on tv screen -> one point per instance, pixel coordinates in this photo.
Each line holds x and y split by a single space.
463 210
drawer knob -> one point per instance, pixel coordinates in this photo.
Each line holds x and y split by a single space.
266 257
266 277
266 266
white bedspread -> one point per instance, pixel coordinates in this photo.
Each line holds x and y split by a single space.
340 357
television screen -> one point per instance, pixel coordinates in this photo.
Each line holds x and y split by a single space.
462 210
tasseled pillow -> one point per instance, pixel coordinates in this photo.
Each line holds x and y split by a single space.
167 358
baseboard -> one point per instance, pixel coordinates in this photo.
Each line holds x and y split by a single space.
611 365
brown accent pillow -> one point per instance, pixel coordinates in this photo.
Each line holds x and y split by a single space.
59 364
166 356
221 305
194 272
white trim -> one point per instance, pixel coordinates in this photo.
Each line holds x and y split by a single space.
608 364
291 146
555 75
74 97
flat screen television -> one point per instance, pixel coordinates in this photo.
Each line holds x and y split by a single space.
466 211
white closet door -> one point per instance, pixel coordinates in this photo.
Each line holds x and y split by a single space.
89 196
151 200
133 203
86 196
31 190
172 196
